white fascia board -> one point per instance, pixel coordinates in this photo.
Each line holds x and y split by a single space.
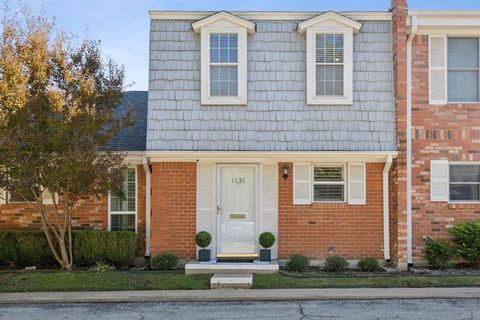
223 15
261 156
269 15
329 16
446 22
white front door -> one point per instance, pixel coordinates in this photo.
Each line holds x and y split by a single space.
236 211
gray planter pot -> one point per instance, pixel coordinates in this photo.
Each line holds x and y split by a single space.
204 255
265 255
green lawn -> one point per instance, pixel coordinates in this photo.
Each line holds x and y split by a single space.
107 281
279 281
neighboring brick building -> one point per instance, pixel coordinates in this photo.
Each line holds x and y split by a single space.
353 134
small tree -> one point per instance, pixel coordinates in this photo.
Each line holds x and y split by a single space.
57 108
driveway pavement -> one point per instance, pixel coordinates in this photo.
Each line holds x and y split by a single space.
434 309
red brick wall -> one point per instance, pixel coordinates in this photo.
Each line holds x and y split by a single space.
319 230
439 132
89 213
399 174
173 223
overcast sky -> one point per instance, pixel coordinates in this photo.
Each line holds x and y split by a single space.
123 25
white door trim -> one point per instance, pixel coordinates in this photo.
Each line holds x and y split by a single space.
217 200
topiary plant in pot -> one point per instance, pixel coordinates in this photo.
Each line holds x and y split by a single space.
266 239
203 240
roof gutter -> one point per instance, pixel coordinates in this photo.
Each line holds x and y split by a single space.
411 36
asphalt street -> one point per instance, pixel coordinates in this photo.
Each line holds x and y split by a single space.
292 310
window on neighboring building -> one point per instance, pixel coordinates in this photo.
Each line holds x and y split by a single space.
464 182
329 183
223 64
463 69
329 65
123 203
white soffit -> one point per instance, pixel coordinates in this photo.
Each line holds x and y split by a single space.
269 15
446 22
223 15
329 17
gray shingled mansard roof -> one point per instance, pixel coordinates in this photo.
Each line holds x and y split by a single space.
276 117
133 138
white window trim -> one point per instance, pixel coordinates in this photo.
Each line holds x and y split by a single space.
461 163
241 99
347 98
344 182
110 212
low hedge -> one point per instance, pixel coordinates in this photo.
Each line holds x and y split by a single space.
30 248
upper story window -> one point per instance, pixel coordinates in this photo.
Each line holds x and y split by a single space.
463 69
329 58
223 39
223 64
454 69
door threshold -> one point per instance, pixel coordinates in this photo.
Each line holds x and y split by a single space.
247 256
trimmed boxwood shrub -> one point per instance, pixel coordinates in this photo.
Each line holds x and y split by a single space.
438 253
368 264
335 264
266 239
163 261
297 263
30 248
203 239
467 241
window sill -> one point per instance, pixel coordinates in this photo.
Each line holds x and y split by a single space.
464 202
329 101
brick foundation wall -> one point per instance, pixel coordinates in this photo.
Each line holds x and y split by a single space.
439 132
173 222
89 213
319 230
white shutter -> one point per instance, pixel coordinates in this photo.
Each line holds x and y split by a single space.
302 183
439 180
205 204
437 77
47 197
269 220
3 196
356 183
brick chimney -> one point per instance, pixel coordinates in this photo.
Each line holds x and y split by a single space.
398 215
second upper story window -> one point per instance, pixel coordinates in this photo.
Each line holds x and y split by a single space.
223 42
223 64
329 55
454 69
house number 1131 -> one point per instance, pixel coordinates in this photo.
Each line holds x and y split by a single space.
238 180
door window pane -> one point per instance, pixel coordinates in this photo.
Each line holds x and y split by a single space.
124 199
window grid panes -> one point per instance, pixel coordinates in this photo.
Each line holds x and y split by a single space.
463 69
329 64
123 203
329 183
465 183
223 64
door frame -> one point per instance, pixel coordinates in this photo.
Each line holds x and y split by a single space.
218 167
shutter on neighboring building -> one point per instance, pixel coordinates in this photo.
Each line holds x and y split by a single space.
356 183
439 180
47 197
437 69
269 219
3 196
205 204
302 183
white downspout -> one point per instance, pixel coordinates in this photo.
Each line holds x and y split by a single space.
386 211
409 138
148 194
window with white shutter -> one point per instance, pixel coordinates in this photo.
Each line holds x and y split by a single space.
329 183
464 182
301 183
356 183
438 69
463 69
123 203
439 178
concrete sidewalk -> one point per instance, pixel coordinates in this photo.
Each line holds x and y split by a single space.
240 295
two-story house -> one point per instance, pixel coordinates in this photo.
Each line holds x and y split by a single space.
342 133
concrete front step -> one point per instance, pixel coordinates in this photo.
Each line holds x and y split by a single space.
231 281
230 267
